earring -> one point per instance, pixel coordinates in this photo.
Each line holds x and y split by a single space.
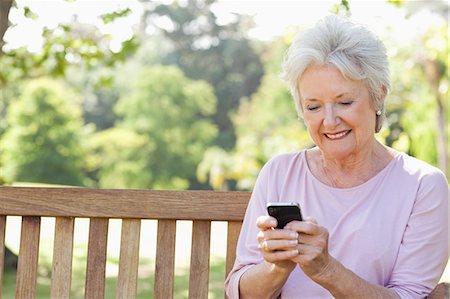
379 112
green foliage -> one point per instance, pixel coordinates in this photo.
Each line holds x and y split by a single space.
68 44
397 2
413 104
118 158
219 54
266 125
111 17
27 12
164 132
342 7
42 142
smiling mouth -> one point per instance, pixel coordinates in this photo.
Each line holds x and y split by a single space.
337 136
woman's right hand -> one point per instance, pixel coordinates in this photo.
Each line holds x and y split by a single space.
278 246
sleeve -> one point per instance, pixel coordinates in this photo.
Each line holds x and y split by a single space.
424 249
247 251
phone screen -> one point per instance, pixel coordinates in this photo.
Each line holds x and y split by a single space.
284 212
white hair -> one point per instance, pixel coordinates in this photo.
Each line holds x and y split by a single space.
352 48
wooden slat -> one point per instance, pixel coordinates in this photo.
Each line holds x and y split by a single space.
28 258
234 228
2 251
62 258
96 258
165 259
199 272
144 204
129 259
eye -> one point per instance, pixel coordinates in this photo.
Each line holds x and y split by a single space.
312 107
346 102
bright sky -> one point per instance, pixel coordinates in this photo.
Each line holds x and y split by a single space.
272 17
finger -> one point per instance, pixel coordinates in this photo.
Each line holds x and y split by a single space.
282 255
285 237
277 245
266 222
290 224
306 249
280 234
309 228
304 227
310 219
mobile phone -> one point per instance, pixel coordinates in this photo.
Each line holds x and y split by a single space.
284 212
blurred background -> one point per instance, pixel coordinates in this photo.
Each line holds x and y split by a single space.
186 94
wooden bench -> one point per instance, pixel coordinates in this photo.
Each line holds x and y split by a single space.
132 206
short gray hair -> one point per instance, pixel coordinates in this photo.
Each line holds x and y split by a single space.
351 47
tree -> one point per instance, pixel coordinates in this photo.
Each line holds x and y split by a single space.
266 125
168 117
118 158
68 44
420 89
43 137
205 50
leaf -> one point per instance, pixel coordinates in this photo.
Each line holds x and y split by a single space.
27 12
112 16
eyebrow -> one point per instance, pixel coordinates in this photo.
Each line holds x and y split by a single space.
341 95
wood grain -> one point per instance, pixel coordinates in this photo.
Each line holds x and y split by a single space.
165 259
96 258
143 204
28 258
2 251
234 229
62 258
199 271
129 259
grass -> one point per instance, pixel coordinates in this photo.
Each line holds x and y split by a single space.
146 262
145 282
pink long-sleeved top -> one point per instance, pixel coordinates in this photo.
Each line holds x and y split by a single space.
391 230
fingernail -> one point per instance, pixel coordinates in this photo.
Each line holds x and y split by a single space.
293 242
294 251
294 235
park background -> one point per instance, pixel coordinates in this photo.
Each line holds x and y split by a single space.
186 95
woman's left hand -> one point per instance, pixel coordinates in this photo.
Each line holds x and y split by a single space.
313 256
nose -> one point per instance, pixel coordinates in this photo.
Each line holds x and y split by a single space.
330 119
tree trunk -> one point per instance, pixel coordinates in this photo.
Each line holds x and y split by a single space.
5 6
434 78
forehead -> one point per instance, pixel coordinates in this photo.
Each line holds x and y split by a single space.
327 80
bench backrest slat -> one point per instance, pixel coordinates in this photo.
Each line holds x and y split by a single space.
28 258
62 258
96 258
234 228
2 250
139 204
165 259
199 271
129 259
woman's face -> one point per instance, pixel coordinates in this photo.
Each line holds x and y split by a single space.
337 112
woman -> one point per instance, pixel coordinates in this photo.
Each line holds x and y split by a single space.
378 218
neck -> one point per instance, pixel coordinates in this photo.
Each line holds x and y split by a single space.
354 169
364 159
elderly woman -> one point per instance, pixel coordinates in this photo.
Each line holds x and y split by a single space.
377 224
